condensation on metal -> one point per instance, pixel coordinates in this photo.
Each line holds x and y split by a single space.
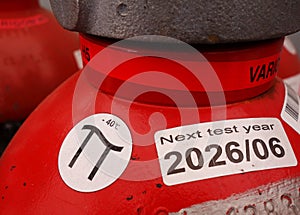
275 198
199 21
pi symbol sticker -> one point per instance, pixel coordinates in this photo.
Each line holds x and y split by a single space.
95 153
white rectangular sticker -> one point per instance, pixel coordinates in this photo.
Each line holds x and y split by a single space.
291 109
293 82
213 149
78 58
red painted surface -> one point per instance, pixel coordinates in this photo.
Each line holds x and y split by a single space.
289 64
36 56
232 68
30 181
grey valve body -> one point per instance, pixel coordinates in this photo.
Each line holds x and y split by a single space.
198 21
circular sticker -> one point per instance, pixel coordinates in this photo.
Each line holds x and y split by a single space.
95 153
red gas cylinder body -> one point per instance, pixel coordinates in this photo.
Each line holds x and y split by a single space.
36 56
139 131
289 67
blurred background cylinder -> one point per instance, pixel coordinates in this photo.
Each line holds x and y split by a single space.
36 56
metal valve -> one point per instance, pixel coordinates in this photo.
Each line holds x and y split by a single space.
196 21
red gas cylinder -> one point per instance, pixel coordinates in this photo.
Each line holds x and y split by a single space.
289 67
156 128
36 56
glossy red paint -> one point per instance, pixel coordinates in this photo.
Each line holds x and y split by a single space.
30 180
36 56
243 66
290 61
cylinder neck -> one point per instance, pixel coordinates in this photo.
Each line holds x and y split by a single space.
8 5
230 72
